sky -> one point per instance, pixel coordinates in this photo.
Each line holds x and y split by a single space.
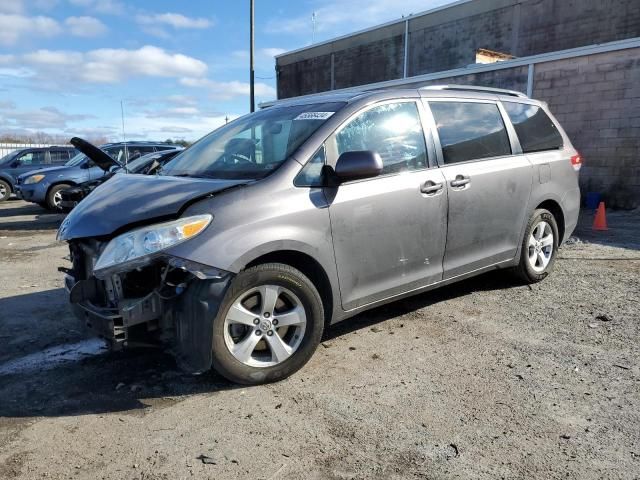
180 68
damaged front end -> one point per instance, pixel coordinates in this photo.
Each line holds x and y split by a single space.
161 299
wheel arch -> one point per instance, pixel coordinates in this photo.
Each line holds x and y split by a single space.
556 210
61 182
71 183
310 267
8 181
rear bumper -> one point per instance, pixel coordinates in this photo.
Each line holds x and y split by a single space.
571 207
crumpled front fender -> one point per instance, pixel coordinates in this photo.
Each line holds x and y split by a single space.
195 312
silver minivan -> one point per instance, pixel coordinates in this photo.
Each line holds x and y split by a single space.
248 244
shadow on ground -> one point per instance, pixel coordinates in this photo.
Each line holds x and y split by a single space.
131 381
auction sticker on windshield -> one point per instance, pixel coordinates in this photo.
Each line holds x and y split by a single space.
314 116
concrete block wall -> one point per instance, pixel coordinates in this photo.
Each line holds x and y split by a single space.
372 57
444 42
509 78
596 98
448 38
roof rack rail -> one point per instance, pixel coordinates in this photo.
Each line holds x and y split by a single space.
473 88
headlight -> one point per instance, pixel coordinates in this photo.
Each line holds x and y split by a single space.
142 242
33 179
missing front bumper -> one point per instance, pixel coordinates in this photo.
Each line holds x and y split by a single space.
177 315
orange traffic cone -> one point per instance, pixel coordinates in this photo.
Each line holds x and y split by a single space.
600 221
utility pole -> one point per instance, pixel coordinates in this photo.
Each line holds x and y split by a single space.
313 27
252 100
124 138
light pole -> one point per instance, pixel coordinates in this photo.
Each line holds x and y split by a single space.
252 100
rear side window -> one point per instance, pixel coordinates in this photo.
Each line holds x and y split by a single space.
393 130
535 129
470 131
59 156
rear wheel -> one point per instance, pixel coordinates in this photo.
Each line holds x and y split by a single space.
268 325
5 191
539 247
54 197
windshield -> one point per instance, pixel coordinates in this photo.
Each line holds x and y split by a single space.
252 146
75 160
140 162
9 156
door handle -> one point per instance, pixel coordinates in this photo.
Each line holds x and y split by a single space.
430 187
460 181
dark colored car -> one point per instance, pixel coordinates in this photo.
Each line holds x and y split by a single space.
24 160
44 186
145 165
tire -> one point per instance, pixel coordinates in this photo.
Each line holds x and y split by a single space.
536 259
296 299
5 191
53 196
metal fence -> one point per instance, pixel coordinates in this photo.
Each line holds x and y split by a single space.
6 148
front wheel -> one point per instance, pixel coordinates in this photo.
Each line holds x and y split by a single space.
54 197
5 191
268 326
539 247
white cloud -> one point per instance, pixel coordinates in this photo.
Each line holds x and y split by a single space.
110 7
228 90
175 112
45 4
111 65
184 100
272 52
11 6
160 128
336 17
175 20
41 118
14 26
85 26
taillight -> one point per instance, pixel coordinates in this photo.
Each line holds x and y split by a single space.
576 162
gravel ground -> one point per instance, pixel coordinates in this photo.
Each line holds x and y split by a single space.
483 379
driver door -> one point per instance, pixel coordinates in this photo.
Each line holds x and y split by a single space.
388 231
28 161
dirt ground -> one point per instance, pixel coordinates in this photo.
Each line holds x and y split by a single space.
483 379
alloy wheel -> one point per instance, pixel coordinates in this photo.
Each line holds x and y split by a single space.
540 246
265 326
57 199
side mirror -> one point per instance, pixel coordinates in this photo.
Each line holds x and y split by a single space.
113 168
15 164
358 165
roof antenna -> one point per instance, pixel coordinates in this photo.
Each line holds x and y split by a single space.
124 138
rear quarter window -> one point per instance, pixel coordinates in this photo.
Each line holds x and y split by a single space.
470 130
534 128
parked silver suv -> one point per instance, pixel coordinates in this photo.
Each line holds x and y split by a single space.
310 211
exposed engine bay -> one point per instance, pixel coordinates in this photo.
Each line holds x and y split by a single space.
168 302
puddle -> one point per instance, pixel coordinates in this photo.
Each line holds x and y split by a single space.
54 356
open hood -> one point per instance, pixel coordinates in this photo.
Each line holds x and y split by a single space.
128 200
100 158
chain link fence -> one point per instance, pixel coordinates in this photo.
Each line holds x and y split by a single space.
6 148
